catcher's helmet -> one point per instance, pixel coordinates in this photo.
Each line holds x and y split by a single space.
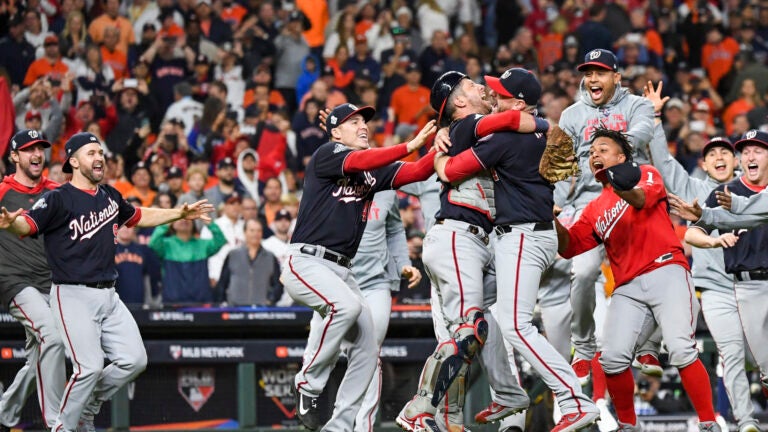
441 91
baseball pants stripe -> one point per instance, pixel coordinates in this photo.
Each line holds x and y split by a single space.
379 300
753 311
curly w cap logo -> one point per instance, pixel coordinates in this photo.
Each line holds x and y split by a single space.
594 54
751 134
33 134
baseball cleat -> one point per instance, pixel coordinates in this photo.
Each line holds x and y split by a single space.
625 427
607 422
583 369
764 384
495 412
423 422
709 426
576 421
86 425
307 410
751 426
649 365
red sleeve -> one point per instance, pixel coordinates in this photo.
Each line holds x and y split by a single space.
134 220
370 159
652 184
582 237
462 166
505 121
32 225
415 171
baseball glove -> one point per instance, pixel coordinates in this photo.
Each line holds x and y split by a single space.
559 161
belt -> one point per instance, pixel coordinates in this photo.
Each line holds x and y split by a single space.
98 285
327 254
537 226
472 229
751 275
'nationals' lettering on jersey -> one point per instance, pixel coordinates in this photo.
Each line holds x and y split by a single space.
354 192
86 228
607 221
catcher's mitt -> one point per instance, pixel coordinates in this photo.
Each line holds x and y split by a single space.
559 161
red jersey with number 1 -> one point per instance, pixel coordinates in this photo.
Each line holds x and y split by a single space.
637 241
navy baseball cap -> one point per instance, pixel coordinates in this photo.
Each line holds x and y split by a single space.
516 83
753 136
27 137
441 91
718 142
343 112
283 214
601 58
74 143
174 172
226 162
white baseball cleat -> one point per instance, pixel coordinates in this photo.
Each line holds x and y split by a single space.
607 422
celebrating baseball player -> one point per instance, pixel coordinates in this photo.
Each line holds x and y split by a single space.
79 221
25 285
457 257
718 304
652 280
341 179
602 103
745 259
527 241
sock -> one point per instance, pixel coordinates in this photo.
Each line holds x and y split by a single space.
598 379
696 383
621 387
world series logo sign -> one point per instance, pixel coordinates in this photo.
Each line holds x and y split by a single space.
196 385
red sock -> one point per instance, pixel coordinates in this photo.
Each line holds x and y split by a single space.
598 379
696 383
622 390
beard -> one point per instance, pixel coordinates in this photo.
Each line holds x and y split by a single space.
230 182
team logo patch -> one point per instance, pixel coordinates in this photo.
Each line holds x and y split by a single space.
196 385
175 351
594 54
751 134
40 204
33 134
334 120
339 148
506 74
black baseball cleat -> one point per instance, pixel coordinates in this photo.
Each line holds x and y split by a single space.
307 410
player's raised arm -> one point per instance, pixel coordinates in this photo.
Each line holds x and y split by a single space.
12 222
151 216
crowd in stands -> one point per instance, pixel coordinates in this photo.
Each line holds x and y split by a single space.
219 99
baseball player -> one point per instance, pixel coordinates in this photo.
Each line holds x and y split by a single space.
602 103
746 260
380 262
79 221
25 285
462 229
718 304
527 242
630 218
341 178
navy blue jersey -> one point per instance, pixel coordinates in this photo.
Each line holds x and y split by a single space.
334 206
80 229
522 195
134 262
462 133
749 252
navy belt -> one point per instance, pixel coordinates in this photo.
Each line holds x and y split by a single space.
329 255
472 229
98 285
537 226
751 275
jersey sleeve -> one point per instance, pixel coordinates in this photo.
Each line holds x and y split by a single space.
46 214
127 214
710 202
652 184
582 236
329 160
489 154
385 176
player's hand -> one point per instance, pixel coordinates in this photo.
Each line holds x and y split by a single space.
654 95
726 240
198 210
690 212
323 114
724 198
7 218
412 274
442 140
421 138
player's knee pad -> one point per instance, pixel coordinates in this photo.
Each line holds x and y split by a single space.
471 334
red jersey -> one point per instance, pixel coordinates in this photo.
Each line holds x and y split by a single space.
637 241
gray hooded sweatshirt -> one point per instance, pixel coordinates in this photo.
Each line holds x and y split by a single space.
625 112
708 264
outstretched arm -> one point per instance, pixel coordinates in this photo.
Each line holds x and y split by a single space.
151 216
510 121
370 159
13 223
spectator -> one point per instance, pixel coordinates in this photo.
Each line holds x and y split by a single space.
748 99
141 13
363 62
209 123
112 56
49 65
184 108
141 179
184 257
86 112
251 274
310 72
291 51
112 18
341 68
406 29
196 180
258 49
171 144
147 38
74 36
271 148
435 60
342 35
94 78
272 193
262 76
39 102
230 73
380 36
213 27
174 185
36 29
419 294
309 135
133 112
432 19
228 184
248 171
138 270
250 208
593 34
674 119
16 54
696 19
197 41
232 226
717 54
410 103
523 51
278 243
316 12
168 67
221 143
232 14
